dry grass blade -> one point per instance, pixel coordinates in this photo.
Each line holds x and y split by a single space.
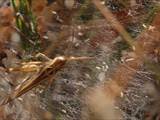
115 23
46 72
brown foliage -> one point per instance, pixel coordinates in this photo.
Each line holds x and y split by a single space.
145 47
6 16
39 6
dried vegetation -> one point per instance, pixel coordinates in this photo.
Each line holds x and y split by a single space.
116 75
